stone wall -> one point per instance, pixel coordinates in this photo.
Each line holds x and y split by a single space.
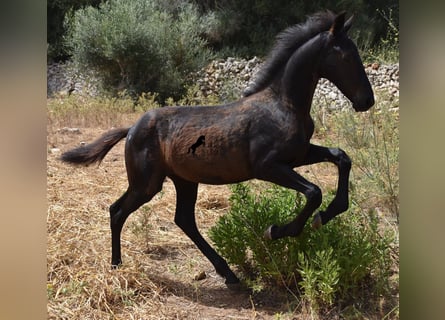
234 75
227 79
63 78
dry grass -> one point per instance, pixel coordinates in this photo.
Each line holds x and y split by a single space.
156 280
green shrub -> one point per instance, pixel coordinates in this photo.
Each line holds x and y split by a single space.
56 11
332 263
263 19
386 49
139 45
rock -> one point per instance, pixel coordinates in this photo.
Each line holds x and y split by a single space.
375 65
332 95
200 276
67 130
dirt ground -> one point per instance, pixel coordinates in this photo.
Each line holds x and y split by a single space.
160 263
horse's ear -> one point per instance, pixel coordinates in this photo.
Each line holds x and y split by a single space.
348 24
338 24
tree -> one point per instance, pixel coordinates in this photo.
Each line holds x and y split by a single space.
139 45
56 12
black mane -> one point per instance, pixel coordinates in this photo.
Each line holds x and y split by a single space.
285 45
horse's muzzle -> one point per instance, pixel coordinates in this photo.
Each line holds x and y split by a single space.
364 103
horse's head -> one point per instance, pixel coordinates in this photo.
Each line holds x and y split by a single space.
341 64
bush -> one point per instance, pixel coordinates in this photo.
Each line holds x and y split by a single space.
56 11
386 49
248 27
139 45
332 263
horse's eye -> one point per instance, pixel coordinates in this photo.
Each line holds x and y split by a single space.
345 56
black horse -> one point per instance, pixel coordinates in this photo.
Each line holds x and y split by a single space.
264 135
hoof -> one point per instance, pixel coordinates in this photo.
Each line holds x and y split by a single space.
316 222
268 233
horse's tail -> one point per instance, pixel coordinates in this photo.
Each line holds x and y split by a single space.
95 151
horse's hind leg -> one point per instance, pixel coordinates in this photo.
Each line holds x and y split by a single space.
129 202
186 193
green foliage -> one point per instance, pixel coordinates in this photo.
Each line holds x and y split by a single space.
386 49
138 45
319 276
56 11
248 27
332 263
153 45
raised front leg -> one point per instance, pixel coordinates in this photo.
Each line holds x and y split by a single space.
186 193
340 203
285 176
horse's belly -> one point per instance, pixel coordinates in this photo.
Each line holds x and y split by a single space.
206 168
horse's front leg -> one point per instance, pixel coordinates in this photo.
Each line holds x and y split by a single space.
285 176
340 203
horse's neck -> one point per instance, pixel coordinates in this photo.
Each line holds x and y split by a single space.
300 76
